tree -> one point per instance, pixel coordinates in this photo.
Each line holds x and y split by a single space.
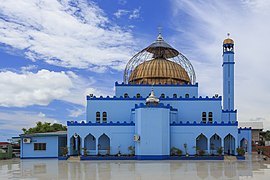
44 127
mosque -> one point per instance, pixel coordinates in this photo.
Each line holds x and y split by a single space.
155 109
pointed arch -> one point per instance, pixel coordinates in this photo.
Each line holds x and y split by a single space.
103 144
201 142
215 143
244 144
75 145
229 144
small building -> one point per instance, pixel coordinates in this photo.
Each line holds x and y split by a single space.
42 145
256 130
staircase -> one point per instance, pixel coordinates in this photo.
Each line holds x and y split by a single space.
230 158
74 158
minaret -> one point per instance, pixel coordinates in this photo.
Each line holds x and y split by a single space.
228 74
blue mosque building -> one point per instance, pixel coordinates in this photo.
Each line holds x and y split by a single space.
155 109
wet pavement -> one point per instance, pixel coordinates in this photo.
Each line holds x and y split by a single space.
252 168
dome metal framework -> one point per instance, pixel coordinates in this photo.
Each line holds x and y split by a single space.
170 59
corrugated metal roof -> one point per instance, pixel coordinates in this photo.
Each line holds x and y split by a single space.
57 133
253 125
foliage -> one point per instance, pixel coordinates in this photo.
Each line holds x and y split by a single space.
201 152
176 152
220 151
132 150
240 151
185 146
64 151
266 135
44 127
84 151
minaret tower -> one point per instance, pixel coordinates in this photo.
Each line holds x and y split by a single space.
228 74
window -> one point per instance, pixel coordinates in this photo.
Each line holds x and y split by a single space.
104 117
97 117
210 117
162 95
125 95
138 95
174 95
187 96
204 117
39 146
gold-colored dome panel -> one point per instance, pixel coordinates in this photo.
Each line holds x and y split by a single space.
228 41
159 71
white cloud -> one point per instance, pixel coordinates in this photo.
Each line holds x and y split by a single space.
205 26
29 88
120 12
135 14
76 112
28 68
64 33
13 122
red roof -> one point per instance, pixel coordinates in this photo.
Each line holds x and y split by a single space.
4 143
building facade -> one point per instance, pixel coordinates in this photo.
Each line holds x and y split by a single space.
158 108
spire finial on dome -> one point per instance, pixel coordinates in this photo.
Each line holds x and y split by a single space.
228 40
159 38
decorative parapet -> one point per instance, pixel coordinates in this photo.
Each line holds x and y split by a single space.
229 111
160 105
75 123
151 85
187 123
244 129
165 99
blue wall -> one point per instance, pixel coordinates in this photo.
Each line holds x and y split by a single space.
144 90
152 124
189 109
245 133
52 148
181 135
228 81
121 137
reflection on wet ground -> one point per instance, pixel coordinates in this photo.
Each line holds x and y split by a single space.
254 168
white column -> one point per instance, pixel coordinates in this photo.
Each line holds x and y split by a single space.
96 146
82 145
208 146
222 144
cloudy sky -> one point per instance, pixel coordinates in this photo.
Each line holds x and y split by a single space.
54 52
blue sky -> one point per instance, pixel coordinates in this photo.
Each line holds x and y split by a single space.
54 52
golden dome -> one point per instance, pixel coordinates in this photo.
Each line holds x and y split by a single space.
228 41
159 71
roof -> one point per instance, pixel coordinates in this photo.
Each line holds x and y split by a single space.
4 143
57 133
253 125
159 71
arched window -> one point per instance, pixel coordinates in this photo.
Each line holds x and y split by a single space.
104 117
138 95
210 117
187 96
174 95
97 117
204 117
125 95
162 95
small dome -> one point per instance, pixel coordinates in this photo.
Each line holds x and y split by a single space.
159 71
228 41
152 99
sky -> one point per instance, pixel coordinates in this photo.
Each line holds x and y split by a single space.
55 52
